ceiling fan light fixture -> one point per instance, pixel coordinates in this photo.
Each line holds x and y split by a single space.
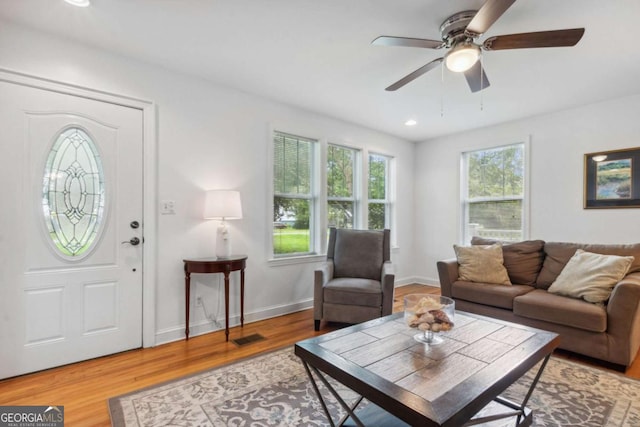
79 3
462 57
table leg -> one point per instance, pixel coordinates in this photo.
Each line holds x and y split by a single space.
242 297
187 292
349 409
226 302
519 410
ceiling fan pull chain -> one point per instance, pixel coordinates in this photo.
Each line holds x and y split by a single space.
442 89
481 83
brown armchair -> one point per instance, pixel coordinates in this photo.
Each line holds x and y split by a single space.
355 284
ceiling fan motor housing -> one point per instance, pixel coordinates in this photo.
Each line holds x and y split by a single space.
452 30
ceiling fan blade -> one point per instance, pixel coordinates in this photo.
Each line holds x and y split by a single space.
556 38
407 42
477 78
417 73
487 15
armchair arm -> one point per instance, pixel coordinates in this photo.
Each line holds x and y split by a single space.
387 282
623 316
321 277
448 273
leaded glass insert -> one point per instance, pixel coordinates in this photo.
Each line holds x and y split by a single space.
73 194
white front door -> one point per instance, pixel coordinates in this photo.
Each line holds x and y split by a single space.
71 181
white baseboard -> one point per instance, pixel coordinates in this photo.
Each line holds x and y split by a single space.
176 333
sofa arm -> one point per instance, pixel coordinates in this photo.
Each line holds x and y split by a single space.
321 277
387 281
623 316
448 273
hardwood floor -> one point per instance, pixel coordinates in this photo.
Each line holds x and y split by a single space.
83 388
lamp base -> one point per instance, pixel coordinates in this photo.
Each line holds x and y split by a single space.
223 241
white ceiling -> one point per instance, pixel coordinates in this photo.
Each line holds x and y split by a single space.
316 54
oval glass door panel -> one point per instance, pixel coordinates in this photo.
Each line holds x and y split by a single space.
73 196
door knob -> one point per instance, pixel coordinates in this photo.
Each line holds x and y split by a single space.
133 241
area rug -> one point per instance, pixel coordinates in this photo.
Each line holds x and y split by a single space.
273 390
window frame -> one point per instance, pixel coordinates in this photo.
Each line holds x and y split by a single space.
465 201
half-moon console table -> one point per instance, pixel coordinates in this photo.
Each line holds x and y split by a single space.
215 265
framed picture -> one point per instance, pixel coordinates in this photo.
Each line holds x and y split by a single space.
612 179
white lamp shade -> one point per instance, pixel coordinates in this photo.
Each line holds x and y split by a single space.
222 204
462 57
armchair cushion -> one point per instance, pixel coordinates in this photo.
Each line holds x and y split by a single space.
353 291
358 254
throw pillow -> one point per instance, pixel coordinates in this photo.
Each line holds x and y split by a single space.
482 264
523 260
558 254
591 276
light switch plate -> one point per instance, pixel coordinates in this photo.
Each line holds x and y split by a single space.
168 207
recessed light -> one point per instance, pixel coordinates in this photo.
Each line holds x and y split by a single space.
410 122
79 3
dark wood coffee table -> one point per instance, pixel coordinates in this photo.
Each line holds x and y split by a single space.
409 383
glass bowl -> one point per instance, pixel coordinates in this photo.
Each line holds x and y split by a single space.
430 314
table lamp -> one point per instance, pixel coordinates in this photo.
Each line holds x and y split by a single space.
223 205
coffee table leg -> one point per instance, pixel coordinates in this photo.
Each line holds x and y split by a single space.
519 409
347 408
535 380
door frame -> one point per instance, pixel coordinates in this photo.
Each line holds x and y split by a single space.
149 182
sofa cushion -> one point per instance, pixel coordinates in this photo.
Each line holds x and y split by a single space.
523 260
488 294
591 276
353 291
542 305
558 254
482 264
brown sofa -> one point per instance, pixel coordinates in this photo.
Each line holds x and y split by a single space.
609 332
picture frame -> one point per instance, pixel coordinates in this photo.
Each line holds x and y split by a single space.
612 179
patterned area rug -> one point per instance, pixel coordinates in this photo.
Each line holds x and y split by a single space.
273 390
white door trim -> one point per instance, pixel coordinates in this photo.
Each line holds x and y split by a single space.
150 204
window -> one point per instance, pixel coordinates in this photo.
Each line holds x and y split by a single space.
293 199
341 195
493 193
73 193
309 196
379 208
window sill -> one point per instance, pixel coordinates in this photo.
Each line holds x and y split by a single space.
304 259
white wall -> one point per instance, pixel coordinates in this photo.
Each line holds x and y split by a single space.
211 137
558 144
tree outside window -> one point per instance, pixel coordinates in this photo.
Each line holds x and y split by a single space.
378 192
341 200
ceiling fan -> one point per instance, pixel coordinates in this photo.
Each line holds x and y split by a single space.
460 33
